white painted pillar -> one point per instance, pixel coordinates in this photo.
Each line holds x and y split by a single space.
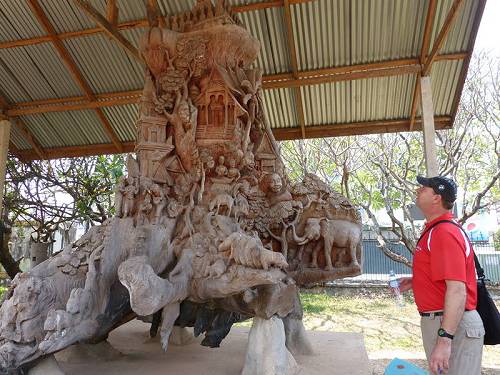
428 127
4 148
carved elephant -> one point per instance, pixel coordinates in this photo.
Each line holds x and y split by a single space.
330 233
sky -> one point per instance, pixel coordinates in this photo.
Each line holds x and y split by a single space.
489 29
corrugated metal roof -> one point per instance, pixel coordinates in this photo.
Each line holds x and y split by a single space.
444 81
360 100
267 26
17 138
327 33
105 66
123 118
280 108
58 129
337 33
40 71
17 21
459 34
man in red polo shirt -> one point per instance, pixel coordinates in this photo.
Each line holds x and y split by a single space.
444 284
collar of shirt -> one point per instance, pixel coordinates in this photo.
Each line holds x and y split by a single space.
446 216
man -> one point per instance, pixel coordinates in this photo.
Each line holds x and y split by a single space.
444 284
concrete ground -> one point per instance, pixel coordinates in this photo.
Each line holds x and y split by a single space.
335 354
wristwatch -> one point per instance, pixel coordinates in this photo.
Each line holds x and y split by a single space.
443 333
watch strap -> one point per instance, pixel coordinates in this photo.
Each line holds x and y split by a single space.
442 333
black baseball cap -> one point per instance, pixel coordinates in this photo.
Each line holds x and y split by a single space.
443 186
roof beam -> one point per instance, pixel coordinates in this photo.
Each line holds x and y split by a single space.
112 12
73 68
357 128
78 151
333 130
445 29
153 12
109 29
295 70
429 22
37 149
4 107
135 24
354 75
380 69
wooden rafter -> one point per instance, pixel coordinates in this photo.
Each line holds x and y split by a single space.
73 68
415 101
283 80
23 129
135 24
4 107
334 130
354 75
78 151
295 70
109 29
112 12
153 12
371 127
429 22
443 33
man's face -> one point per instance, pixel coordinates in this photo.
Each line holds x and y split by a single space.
426 198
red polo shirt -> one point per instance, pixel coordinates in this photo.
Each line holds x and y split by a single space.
444 253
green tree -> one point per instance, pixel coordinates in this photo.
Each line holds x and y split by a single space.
52 195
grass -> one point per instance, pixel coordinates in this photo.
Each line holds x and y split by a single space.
386 327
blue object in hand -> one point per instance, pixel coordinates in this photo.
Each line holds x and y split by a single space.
400 367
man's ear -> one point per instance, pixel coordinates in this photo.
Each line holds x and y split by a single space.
438 199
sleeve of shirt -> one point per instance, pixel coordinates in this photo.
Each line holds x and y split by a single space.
447 250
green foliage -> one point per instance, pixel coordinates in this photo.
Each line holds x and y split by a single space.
49 194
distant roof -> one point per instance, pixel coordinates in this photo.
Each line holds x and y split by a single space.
70 75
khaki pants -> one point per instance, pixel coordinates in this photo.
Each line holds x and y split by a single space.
466 347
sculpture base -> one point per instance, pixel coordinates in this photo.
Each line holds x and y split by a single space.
334 354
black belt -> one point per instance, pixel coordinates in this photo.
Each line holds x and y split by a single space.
437 313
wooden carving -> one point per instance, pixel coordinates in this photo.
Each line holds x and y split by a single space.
206 219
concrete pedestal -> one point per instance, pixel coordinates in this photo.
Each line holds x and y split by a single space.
334 354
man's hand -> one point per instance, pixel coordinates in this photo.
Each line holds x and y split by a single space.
440 356
405 284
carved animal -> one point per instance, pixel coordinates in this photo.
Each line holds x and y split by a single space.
333 233
249 251
241 207
221 200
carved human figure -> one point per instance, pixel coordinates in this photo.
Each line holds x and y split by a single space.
119 191
130 191
145 208
274 189
183 119
233 172
221 169
159 202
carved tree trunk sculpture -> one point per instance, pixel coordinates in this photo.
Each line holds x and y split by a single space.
168 249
